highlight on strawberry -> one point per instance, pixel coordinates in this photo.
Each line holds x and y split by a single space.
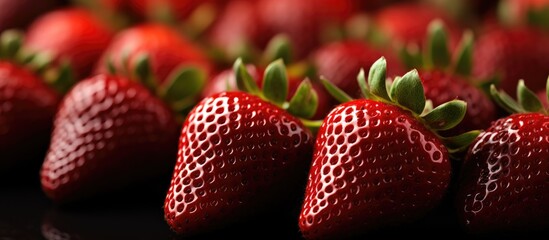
242 154
506 171
380 161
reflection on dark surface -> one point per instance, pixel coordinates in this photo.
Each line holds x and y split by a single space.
136 213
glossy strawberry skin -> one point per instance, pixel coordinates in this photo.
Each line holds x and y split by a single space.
408 22
108 132
166 49
72 34
374 165
441 87
341 62
27 107
513 54
238 156
504 180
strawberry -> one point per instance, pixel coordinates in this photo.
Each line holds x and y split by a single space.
396 26
240 154
248 22
506 173
524 12
379 162
341 61
165 48
110 131
70 34
512 54
27 102
18 14
445 80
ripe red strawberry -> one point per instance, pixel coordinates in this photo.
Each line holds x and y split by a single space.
166 49
254 23
108 132
506 173
240 155
406 23
70 34
18 14
111 131
341 61
26 112
27 103
512 54
445 80
378 162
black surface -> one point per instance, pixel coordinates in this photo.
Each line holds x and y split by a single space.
136 213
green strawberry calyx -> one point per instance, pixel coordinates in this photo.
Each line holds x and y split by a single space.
437 55
58 76
180 90
527 100
302 104
407 92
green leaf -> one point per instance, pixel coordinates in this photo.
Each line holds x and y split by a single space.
125 62
160 11
278 48
377 78
363 84
143 72
446 115
485 84
110 65
11 41
244 80
312 125
408 92
464 61
528 99
538 16
305 101
437 49
183 84
337 93
41 62
65 78
505 101
505 13
275 82
410 55
461 142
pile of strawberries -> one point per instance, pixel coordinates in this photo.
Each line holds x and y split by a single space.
360 115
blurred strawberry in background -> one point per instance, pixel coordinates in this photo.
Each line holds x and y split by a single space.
163 45
406 24
513 54
340 63
251 24
19 13
71 34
